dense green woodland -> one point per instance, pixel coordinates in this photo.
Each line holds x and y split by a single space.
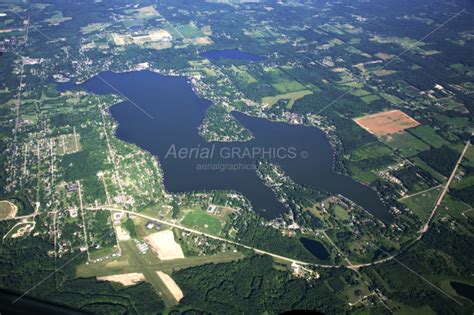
253 286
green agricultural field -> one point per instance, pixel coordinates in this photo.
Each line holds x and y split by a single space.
422 203
468 157
242 75
392 98
457 66
407 144
383 72
201 220
281 82
451 104
465 182
360 92
365 177
189 31
429 136
370 151
370 98
288 86
452 207
455 123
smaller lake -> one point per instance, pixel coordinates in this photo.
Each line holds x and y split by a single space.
316 248
231 54
463 289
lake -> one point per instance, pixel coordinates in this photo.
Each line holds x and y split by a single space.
316 248
231 54
463 289
192 164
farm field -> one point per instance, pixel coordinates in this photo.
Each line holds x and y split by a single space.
405 143
386 123
422 204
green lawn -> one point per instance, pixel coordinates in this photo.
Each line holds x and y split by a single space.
341 213
202 221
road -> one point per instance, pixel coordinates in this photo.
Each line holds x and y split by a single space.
81 207
174 225
444 191
420 192
257 250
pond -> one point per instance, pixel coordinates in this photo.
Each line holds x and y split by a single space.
316 248
463 289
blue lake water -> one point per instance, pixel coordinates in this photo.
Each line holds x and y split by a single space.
178 112
231 54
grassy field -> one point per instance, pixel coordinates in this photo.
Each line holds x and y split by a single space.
455 123
392 98
429 136
189 31
365 177
370 98
201 220
288 86
242 75
422 204
292 97
281 82
370 151
341 213
360 92
406 143
452 207
468 159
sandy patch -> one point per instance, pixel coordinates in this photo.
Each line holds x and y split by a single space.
202 41
171 285
122 234
8 210
385 123
158 35
124 279
163 244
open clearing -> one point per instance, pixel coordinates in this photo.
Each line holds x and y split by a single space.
292 97
7 210
125 279
171 285
164 245
385 123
